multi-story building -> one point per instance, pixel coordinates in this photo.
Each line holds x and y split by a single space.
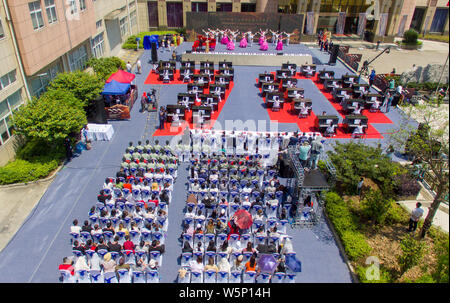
385 18
41 38
12 88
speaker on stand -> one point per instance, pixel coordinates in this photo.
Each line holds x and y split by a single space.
154 53
334 54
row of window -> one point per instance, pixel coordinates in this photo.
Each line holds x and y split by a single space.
7 107
2 32
50 10
7 79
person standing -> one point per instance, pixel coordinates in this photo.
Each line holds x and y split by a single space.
129 67
372 77
316 149
303 155
416 214
360 185
139 66
162 117
68 147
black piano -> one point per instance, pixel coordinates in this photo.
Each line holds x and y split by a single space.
225 64
218 89
167 64
187 73
223 79
325 74
360 89
288 83
340 93
166 74
351 121
371 98
269 88
349 80
331 84
290 66
201 78
200 115
298 102
350 104
265 78
228 71
308 70
208 99
323 121
188 64
182 98
173 109
271 97
283 74
204 64
207 71
292 92
197 87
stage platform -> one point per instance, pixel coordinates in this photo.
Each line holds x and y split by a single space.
249 59
315 179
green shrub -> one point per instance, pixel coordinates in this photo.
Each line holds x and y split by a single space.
104 67
339 213
130 43
375 206
410 37
355 244
20 171
385 275
412 252
441 249
396 214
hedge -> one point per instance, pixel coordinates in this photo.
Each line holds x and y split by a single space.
130 43
21 171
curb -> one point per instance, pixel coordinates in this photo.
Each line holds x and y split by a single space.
342 249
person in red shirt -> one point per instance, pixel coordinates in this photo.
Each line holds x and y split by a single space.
67 265
233 229
128 245
127 185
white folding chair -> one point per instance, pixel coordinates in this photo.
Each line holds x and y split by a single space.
210 276
186 278
96 276
222 277
249 277
278 277
290 278
263 278
138 276
235 277
185 259
109 277
82 276
124 276
196 277
152 276
67 276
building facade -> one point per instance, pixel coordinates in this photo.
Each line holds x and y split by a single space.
41 38
384 18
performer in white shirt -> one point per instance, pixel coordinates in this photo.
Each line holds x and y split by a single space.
240 141
251 140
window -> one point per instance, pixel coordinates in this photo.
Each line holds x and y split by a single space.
50 9
7 79
98 45
82 5
199 6
73 7
133 21
248 7
2 32
123 26
224 7
7 106
36 14
99 24
78 58
131 4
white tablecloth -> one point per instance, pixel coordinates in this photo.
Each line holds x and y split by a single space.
100 132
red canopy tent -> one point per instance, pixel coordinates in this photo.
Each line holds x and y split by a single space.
122 77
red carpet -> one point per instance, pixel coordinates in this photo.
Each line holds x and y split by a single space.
153 78
173 131
287 115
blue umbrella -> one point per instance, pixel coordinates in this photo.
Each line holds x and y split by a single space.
267 263
293 263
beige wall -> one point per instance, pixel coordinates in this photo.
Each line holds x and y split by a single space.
39 48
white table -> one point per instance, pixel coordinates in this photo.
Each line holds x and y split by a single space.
100 132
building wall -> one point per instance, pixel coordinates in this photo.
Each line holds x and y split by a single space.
8 63
39 48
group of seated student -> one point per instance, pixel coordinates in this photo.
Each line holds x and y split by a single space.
126 229
214 247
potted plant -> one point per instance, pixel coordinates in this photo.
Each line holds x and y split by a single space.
410 40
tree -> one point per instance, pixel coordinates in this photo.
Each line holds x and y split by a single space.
428 145
49 119
104 67
82 85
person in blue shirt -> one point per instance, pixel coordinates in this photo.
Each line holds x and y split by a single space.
303 153
372 77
